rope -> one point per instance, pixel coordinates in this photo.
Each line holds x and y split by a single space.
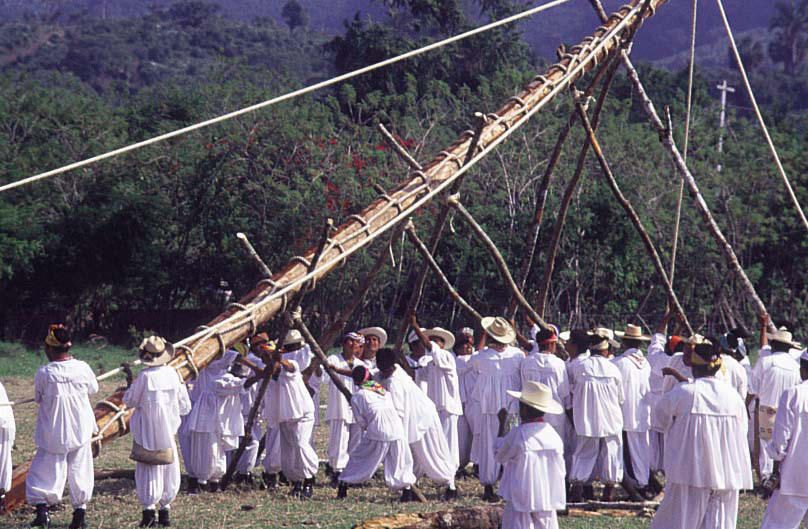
687 138
282 98
755 106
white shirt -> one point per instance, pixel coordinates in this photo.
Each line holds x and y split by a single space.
443 386
160 399
497 372
7 416
789 442
705 428
597 398
419 367
217 400
375 413
572 367
533 475
418 413
465 375
249 395
338 406
772 375
658 360
65 420
677 362
734 374
287 399
636 374
550 370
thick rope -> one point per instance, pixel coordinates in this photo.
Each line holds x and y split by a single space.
759 116
282 98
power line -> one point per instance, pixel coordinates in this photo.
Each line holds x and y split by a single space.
282 98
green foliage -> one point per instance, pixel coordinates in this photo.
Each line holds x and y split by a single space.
295 15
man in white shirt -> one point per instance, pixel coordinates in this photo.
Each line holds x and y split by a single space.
159 397
788 506
249 367
65 424
706 457
375 339
598 418
464 350
8 431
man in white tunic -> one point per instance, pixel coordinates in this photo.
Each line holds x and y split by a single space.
159 398
598 418
375 339
497 370
248 367
532 457
706 457
788 506
464 350
8 430
430 451
65 424
636 373
384 440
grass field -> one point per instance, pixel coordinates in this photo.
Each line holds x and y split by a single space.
115 504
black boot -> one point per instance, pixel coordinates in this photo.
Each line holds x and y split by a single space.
270 481
78 519
214 486
163 518
193 486
450 494
245 480
608 492
342 491
576 493
489 495
297 489
335 479
148 519
42 517
406 496
589 492
282 479
308 488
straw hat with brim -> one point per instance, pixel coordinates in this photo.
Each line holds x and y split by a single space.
538 396
564 336
155 351
293 337
602 338
447 337
378 332
633 332
784 337
498 329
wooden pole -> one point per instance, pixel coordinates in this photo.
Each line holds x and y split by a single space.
399 149
632 214
265 271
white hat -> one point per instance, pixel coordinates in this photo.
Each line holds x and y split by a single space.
564 336
538 396
155 351
602 338
293 337
413 336
447 337
783 336
378 332
498 329
633 332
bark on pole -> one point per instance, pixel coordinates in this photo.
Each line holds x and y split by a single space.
666 138
673 300
271 296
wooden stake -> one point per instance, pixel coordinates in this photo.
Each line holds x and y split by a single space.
265 271
399 149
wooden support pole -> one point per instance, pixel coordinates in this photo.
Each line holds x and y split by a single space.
454 202
424 251
629 209
399 149
265 271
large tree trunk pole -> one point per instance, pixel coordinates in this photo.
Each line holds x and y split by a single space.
666 138
632 214
270 297
566 200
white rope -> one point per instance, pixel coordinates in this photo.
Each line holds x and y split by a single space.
748 86
282 98
325 265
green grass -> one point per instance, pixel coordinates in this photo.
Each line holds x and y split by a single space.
115 505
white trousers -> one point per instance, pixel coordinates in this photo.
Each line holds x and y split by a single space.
598 458
432 458
512 519
464 440
369 454
685 507
342 440
49 472
448 423
785 512
250 456
206 461
639 451
484 439
272 451
299 461
157 485
563 428
765 460
473 416
657 442
6 442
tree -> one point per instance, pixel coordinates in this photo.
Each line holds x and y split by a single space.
789 25
295 15
752 54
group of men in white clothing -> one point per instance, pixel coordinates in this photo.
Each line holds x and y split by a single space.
545 417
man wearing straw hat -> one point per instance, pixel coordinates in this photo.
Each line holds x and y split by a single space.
532 457
159 398
464 351
598 417
635 372
497 370
65 424
706 457
375 339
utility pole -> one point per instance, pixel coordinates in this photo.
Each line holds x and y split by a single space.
724 89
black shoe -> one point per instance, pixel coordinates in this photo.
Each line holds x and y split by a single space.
245 480
282 479
193 486
78 520
475 471
214 486
163 518
589 492
328 470
42 517
335 479
297 489
489 495
406 496
342 491
148 519
308 488
450 494
270 481
576 493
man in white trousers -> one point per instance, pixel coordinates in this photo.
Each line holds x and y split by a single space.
464 350
65 424
8 431
706 456
159 398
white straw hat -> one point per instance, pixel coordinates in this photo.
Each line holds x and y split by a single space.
633 332
537 395
293 337
155 351
378 332
447 337
498 329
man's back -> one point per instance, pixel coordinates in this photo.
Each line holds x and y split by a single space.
597 398
790 440
772 375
